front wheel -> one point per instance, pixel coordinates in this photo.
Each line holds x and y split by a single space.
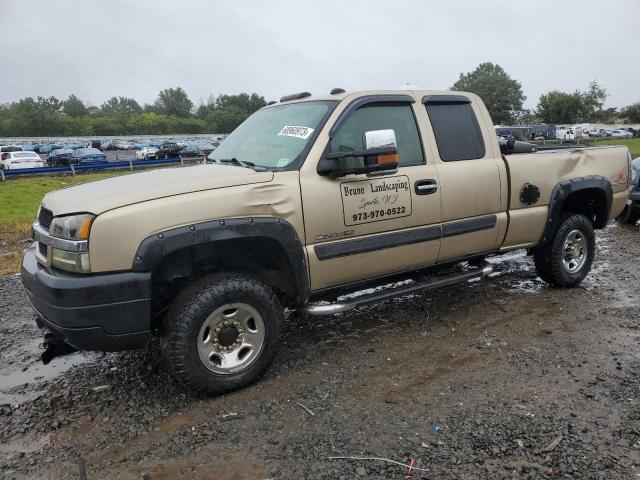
566 260
222 333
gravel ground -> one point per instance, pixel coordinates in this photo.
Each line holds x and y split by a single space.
503 378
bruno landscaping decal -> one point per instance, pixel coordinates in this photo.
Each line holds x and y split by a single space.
374 200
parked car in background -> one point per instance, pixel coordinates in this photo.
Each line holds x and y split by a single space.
621 134
205 149
543 131
593 133
107 145
9 148
124 146
59 157
14 160
604 133
42 149
27 147
565 134
169 149
631 213
146 153
189 149
88 156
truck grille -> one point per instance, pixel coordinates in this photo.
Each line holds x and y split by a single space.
45 218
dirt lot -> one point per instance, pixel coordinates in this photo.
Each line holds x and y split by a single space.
504 378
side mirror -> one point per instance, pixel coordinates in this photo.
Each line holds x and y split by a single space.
380 155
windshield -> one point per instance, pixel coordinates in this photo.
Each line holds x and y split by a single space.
274 137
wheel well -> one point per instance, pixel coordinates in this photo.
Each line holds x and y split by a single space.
261 257
591 202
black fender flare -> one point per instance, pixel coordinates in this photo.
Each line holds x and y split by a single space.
563 190
153 249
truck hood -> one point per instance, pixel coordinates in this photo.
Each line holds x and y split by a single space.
102 195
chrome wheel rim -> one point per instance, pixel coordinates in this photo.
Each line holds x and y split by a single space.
574 251
231 338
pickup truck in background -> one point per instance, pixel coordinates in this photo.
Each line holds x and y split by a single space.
310 199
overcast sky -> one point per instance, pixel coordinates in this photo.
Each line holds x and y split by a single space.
98 49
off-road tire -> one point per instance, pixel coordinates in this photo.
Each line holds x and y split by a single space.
549 259
633 218
189 311
627 217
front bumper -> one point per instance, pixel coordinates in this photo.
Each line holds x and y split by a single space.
104 312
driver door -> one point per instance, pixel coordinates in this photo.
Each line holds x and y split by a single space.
362 226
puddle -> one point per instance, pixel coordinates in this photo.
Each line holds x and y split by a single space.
12 383
526 286
625 299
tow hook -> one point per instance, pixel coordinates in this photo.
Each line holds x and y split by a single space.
54 347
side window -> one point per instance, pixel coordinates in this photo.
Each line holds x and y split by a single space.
457 131
380 116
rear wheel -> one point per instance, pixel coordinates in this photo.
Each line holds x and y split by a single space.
629 216
566 260
222 333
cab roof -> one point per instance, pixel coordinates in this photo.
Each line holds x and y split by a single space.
361 93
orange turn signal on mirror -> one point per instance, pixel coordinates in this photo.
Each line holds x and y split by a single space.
388 159
85 227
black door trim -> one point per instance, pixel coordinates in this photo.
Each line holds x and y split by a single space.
377 242
460 227
398 239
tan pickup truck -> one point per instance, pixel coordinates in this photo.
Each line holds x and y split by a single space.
311 198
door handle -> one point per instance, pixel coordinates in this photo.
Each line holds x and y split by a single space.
426 187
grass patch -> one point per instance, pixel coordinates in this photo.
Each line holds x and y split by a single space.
10 263
20 199
633 144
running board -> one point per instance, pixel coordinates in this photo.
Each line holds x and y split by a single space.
322 309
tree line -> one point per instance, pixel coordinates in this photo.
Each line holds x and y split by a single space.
504 99
172 112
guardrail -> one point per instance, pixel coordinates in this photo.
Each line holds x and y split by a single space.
75 169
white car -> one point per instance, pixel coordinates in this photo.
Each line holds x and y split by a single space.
145 153
621 134
124 145
565 134
14 160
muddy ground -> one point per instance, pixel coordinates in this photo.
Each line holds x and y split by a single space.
503 378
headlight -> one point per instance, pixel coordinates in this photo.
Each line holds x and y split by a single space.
72 227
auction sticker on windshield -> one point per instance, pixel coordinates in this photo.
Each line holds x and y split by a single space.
375 200
295 131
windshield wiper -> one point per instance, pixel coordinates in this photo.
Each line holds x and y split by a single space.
235 161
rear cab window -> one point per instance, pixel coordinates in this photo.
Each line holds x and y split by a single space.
455 126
